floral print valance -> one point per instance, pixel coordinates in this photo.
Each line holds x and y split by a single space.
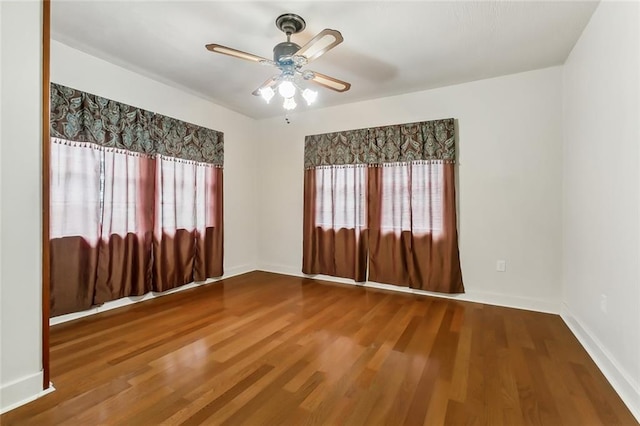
422 141
83 117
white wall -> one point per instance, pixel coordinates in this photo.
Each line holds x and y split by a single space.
81 71
510 198
510 146
601 218
20 203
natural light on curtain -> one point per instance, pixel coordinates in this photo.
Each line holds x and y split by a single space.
184 197
178 184
127 190
75 191
136 201
412 198
341 197
379 204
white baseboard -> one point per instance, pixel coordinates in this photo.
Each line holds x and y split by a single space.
518 302
622 382
125 301
22 391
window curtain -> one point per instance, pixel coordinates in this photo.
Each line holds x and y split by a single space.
111 204
409 237
335 222
124 249
75 223
187 236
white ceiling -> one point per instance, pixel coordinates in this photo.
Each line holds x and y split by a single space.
389 47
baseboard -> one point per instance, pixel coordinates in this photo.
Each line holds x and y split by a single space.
623 383
517 302
230 272
22 391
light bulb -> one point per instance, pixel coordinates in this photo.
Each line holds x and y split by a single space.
267 93
287 89
309 96
289 104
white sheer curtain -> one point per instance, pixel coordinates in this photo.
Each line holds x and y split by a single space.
341 197
176 196
128 186
411 198
75 190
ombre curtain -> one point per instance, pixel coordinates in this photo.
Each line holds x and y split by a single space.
410 234
124 249
75 210
413 233
187 242
136 201
335 238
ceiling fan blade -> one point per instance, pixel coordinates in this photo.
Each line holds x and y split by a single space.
329 82
324 41
269 83
217 48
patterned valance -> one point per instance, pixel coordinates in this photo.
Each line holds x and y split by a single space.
422 141
83 117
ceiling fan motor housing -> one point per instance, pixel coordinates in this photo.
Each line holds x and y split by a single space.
286 48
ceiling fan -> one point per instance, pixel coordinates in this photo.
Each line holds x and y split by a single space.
290 58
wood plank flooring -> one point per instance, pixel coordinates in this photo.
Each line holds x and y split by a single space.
269 349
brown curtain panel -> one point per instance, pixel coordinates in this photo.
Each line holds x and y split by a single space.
187 243
124 249
413 233
136 201
335 237
75 224
209 226
410 237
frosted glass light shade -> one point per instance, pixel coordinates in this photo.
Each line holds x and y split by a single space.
287 89
309 95
267 93
289 104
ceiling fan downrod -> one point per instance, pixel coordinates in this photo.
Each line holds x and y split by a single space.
288 23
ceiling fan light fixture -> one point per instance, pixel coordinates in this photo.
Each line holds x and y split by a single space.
287 89
289 104
267 93
290 59
309 95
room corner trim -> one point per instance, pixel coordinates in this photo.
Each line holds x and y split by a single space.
517 302
22 391
622 383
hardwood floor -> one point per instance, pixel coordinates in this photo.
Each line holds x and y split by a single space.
269 349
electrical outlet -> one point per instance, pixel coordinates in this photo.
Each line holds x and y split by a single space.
501 266
603 303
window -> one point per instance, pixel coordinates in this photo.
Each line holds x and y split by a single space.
341 197
76 195
383 205
412 198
